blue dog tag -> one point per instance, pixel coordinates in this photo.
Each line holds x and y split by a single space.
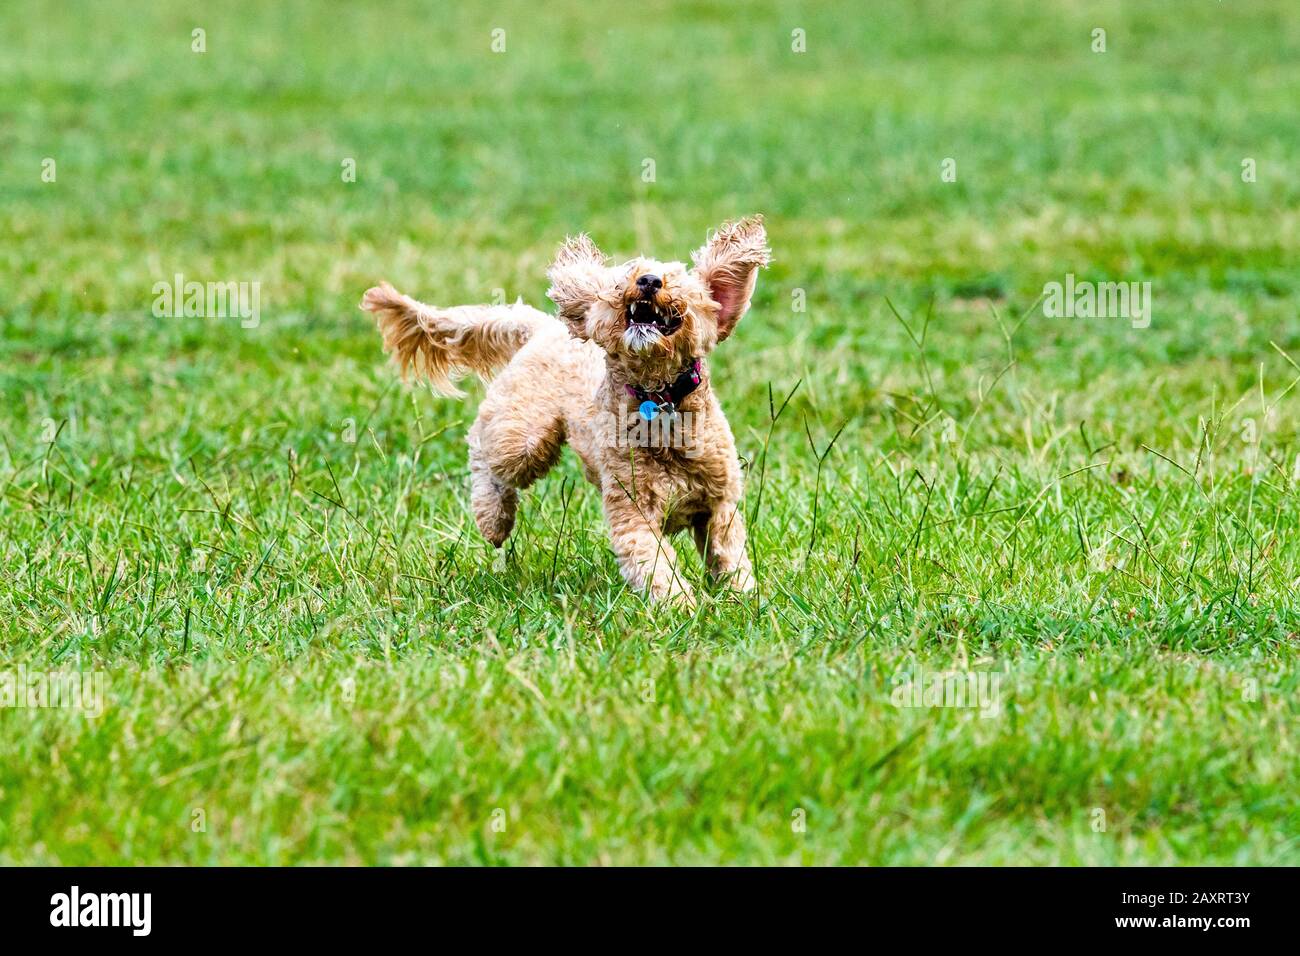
649 410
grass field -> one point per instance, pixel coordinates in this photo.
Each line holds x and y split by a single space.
261 541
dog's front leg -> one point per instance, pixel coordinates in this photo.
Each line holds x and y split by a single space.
645 556
720 537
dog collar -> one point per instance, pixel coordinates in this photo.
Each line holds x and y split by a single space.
669 397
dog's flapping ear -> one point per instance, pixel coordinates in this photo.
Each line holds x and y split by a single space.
576 278
728 266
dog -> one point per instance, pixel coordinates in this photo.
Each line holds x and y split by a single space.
628 347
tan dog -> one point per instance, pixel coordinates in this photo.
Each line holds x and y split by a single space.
622 379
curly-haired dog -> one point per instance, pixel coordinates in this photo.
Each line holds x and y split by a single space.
636 331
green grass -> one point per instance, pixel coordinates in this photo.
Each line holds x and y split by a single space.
305 638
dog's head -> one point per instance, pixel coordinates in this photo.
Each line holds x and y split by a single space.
652 317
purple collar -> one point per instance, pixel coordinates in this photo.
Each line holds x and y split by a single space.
687 381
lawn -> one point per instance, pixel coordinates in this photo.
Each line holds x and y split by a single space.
260 540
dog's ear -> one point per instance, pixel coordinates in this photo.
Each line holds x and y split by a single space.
576 278
728 266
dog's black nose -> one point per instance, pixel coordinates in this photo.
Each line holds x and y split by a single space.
648 285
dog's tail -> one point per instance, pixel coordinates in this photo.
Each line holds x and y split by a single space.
442 345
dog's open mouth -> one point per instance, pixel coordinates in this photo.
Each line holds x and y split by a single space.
645 315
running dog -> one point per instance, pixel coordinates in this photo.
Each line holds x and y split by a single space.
629 347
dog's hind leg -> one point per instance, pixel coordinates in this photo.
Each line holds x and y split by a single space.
507 452
494 502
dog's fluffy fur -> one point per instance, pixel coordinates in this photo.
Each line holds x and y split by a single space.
555 380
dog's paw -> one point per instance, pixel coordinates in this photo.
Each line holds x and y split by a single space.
740 580
675 593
